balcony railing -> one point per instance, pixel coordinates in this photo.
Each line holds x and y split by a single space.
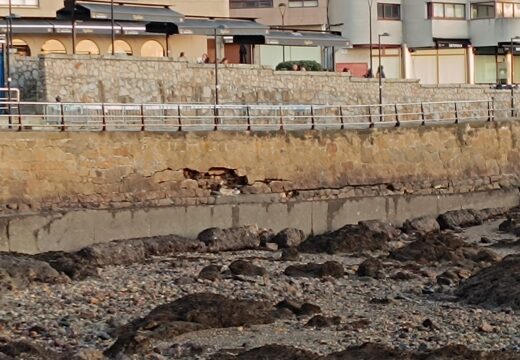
59 116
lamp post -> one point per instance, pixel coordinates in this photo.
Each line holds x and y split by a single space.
217 86
379 71
9 44
112 26
282 7
370 2
513 75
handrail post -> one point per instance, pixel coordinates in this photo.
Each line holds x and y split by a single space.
313 120
103 118
512 100
492 108
215 120
456 113
142 117
371 122
62 114
423 115
179 117
248 118
397 122
281 117
19 116
341 118
489 110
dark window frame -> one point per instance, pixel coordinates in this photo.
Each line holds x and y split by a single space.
431 15
250 4
384 8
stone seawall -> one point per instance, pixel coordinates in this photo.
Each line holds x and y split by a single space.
157 80
71 170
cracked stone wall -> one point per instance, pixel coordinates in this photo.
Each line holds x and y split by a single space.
81 78
52 171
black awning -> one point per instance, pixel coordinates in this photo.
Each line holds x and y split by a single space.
296 38
24 26
96 11
452 43
86 27
224 27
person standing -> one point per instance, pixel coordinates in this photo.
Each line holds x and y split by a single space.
182 57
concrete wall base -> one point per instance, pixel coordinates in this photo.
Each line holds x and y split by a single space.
73 230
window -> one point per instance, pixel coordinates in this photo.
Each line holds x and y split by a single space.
482 11
507 10
388 11
28 3
303 3
247 4
446 11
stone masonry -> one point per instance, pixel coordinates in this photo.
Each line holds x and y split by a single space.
67 170
81 78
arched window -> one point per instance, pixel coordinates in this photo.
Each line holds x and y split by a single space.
152 48
121 47
53 47
21 47
87 47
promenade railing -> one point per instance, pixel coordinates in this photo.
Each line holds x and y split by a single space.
62 116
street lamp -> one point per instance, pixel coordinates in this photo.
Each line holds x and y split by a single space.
370 2
216 112
513 75
282 7
112 26
379 73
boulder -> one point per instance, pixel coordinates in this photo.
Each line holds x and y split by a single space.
290 254
269 352
289 238
371 267
495 286
329 268
456 219
242 267
211 273
236 238
423 224
367 235
320 321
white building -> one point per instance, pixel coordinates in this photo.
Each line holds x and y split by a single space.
438 42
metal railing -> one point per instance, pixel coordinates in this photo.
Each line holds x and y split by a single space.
58 116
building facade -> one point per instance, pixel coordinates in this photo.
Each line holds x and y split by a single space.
94 38
285 14
448 41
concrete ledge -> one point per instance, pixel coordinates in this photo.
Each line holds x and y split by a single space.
76 229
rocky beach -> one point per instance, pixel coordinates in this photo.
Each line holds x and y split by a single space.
445 287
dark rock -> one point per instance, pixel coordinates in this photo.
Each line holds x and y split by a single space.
266 236
423 224
289 238
403 276
299 309
456 219
448 278
237 238
70 264
320 321
125 252
437 247
211 273
368 351
290 254
19 270
357 325
330 268
371 267
242 267
368 235
189 313
428 324
270 352
496 285
511 225
25 350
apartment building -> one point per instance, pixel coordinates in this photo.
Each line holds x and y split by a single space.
448 41
37 30
285 14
